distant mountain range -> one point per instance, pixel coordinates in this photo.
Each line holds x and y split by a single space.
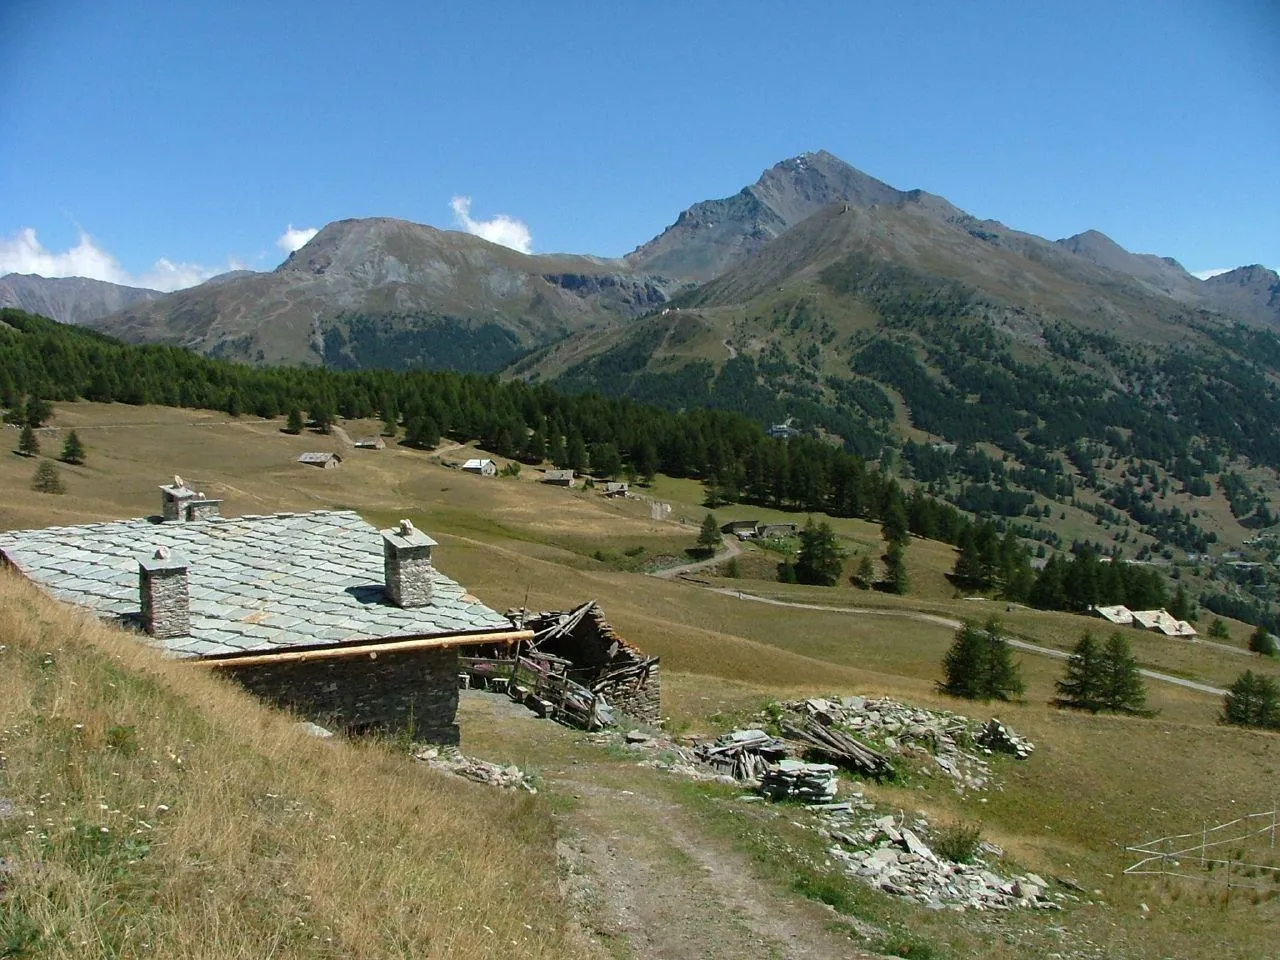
74 300
386 292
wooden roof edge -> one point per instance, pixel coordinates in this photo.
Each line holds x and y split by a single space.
370 650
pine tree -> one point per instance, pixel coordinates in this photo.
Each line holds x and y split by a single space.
72 449
1002 680
1218 629
1260 641
709 536
895 569
47 479
963 664
1180 605
38 411
1122 688
866 574
28 445
820 559
1252 700
294 422
1081 687
894 526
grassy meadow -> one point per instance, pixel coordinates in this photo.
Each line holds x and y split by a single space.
260 828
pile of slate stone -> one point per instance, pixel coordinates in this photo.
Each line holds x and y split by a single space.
449 760
797 780
890 856
957 745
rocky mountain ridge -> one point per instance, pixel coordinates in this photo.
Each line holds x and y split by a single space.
75 300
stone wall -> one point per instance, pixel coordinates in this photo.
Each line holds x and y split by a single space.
414 691
638 697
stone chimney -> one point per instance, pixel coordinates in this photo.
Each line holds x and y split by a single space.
406 561
174 498
162 582
201 507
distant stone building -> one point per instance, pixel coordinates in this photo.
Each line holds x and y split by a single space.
370 443
326 461
616 488
353 627
742 529
767 531
559 478
483 468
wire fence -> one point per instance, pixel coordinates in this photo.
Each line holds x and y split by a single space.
1240 853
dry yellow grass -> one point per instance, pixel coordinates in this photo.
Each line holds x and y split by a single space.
155 810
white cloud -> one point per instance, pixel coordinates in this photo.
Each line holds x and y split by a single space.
24 253
502 229
1206 274
294 238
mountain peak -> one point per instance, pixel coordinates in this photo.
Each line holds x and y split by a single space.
709 236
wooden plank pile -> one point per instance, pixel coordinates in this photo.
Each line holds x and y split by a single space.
811 782
742 754
838 747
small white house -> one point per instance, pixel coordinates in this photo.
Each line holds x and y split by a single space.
483 468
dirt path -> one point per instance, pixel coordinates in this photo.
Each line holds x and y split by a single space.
645 875
645 882
732 548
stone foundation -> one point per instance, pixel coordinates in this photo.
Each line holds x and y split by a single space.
415 691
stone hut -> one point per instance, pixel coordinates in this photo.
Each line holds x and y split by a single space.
319 612
325 461
558 478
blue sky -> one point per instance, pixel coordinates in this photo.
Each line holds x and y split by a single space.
160 142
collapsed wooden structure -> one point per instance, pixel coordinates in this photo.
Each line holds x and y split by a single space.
576 669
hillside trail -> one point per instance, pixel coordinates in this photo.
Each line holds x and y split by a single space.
732 549
644 875
953 624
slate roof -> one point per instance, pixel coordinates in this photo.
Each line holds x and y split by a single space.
256 583
318 457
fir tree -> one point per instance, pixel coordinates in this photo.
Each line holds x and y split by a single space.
47 479
1180 605
1252 700
866 573
321 416
709 536
72 449
28 445
1002 680
38 411
1122 688
1081 687
963 664
895 569
1218 629
294 424
820 559
1261 642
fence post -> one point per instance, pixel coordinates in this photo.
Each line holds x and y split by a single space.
1204 841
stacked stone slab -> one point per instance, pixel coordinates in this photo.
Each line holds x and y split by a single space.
795 779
